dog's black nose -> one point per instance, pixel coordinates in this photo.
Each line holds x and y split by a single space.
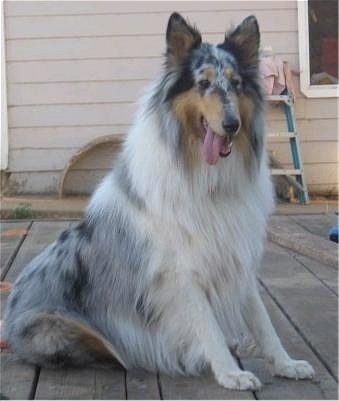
231 126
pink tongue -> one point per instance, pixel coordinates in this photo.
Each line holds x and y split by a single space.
213 145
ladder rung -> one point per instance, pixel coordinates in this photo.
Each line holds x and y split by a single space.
285 171
282 134
278 98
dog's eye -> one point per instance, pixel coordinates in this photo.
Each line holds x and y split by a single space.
204 84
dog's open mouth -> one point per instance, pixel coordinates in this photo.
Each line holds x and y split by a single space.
214 145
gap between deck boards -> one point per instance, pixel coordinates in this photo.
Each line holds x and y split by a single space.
32 393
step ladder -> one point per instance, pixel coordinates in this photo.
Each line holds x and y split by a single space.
292 135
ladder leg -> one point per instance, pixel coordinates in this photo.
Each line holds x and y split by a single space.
296 154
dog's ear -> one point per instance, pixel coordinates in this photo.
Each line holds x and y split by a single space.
181 38
244 42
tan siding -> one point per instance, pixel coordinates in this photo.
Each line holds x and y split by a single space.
319 176
76 69
321 108
26 8
74 93
63 137
83 70
34 183
113 47
70 115
311 152
319 130
39 159
129 24
92 70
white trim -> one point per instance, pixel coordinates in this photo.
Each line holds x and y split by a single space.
306 88
4 119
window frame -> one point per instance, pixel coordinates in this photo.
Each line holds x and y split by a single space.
304 53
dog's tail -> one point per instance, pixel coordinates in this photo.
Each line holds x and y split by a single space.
95 340
54 340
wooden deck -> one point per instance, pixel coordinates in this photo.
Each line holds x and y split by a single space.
301 296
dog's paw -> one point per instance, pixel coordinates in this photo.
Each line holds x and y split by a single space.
293 369
239 380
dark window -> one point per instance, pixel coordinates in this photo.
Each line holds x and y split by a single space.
323 41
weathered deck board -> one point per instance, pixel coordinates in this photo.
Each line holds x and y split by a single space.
17 379
12 234
81 384
40 235
327 274
311 306
142 386
322 387
203 387
301 300
317 224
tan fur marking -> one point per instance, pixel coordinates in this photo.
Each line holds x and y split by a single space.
189 107
186 107
229 72
246 109
209 73
212 109
94 344
243 141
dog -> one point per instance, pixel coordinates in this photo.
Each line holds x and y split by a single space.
160 274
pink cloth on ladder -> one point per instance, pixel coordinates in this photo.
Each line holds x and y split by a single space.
272 70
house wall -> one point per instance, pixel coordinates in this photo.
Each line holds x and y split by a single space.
75 70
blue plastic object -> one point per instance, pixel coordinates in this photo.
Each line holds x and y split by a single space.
333 234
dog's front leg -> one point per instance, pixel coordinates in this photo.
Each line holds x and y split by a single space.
212 341
259 323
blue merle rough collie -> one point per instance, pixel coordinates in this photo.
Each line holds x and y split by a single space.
160 272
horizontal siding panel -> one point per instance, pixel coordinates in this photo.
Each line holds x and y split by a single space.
61 137
24 8
91 70
83 70
309 130
26 183
118 47
321 108
320 181
100 158
311 152
56 159
39 159
67 93
319 130
326 174
130 24
78 48
276 112
70 115
40 137
323 190
46 183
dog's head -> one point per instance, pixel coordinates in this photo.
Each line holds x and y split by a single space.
215 87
